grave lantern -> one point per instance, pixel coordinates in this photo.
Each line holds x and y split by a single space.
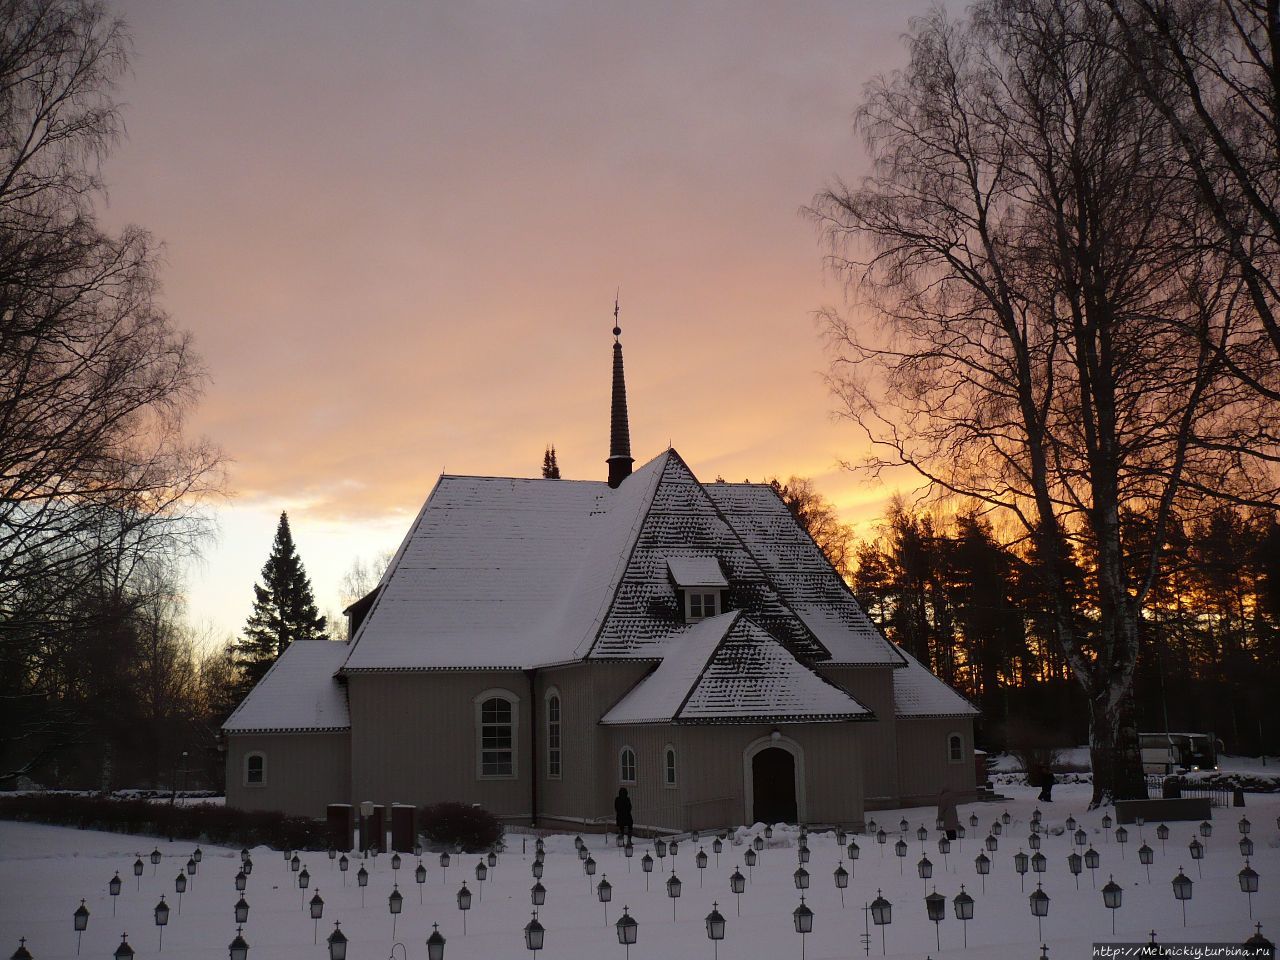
1070 824
1075 863
935 904
1146 856
604 893
113 887
1248 878
1039 908
435 944
737 884
802 853
294 863
1246 847
659 847
583 853
922 834
768 832
241 910
1004 817
534 934
1112 893
749 858
628 851
287 855
395 903
344 864
841 877
162 918
924 868
395 862
1197 854
902 825
881 838
333 853
900 849
973 821
853 851
673 847
758 843
191 866
1244 826
420 877
589 866
1038 862
963 904
198 855
991 843
537 894
1206 829
155 858
673 891
22 953
1033 841
1020 863
944 848
715 928
1122 837
124 951
700 861
464 904
537 869
1092 861
180 887
801 878
620 839
337 943
982 864
482 872
81 920
1081 837
881 915
241 881
1182 892
238 949
996 829
247 866
577 842
627 930
802 918
304 879
1162 834
1106 821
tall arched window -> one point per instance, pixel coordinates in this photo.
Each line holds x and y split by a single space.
255 770
668 766
497 723
553 734
955 748
627 765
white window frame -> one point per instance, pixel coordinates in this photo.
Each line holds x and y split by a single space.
249 756
497 693
553 693
701 593
622 766
670 772
955 735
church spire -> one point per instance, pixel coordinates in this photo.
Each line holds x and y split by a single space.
620 460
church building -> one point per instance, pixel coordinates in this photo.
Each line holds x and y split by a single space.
536 644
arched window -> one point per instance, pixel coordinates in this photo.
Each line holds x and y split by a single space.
627 765
553 734
668 766
255 770
497 724
955 748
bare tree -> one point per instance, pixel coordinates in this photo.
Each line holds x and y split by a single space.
1049 328
820 519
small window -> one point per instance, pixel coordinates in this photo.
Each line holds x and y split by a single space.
668 766
955 748
702 605
496 735
255 770
553 735
627 765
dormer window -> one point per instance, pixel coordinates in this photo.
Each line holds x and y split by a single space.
699 604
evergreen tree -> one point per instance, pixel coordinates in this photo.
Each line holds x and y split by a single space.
550 468
284 609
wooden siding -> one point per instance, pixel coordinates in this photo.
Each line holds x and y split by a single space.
304 772
873 688
923 762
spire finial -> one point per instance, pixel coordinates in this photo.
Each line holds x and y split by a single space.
619 459
617 330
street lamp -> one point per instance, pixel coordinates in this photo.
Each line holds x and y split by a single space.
1040 908
882 915
700 861
1162 834
604 893
841 876
238 949
241 881
1038 862
1092 861
925 868
935 904
395 903
738 883
673 891
344 865
1197 854
801 878
81 920
1182 892
627 929
435 944
537 894
963 904
1075 863
464 904
717 845
1122 837
802 853
802 918
1112 893
162 919
900 850
1020 863
646 864
1145 857
337 943
241 910
534 934
749 858
982 864
1248 884
180 887
715 928
1244 825
420 877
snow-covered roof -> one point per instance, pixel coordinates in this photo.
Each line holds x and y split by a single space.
298 693
918 693
696 572
804 578
729 669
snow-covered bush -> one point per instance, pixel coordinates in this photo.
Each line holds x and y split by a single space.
454 826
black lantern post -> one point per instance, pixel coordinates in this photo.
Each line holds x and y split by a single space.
113 887
801 878
1145 857
337 943
802 852
1112 894
749 858
395 866
1106 823
1182 892
589 868
737 884
1206 829
180 887
935 905
1039 908
963 904
922 835
768 831
162 919
627 929
241 881
660 849
534 934
924 868
124 951
362 881
317 911
1020 863
854 852
155 860
973 821
673 849
304 881
717 845
997 829
700 861
420 878
395 903
1244 826
646 864
1162 834
1197 854
628 851
900 849
1246 847
982 864
1038 862
238 949
537 894
247 866
482 874
604 893
22 953
435 944
241 911
344 865
1122 838
1081 837
841 877
882 838
944 848
1070 824
1033 840
1248 884
537 869
802 919
991 843
81 920
881 915
464 904
673 891
1092 861
1005 818
1075 863
715 929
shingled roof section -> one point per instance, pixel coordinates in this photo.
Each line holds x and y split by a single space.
298 694
918 694
802 575
728 669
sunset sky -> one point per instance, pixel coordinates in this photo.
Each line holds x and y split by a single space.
396 229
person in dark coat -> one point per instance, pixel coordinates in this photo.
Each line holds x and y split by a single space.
1045 781
622 812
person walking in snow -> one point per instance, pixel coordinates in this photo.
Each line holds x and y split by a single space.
947 815
622 812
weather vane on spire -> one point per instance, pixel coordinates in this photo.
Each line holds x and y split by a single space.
617 330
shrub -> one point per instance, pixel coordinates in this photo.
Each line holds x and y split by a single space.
205 823
468 827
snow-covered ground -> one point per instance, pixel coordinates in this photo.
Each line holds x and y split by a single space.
44 871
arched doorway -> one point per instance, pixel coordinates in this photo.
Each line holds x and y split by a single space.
773 771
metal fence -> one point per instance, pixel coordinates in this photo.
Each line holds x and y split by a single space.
1217 796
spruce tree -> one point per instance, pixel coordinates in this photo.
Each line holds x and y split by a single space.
550 468
284 609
